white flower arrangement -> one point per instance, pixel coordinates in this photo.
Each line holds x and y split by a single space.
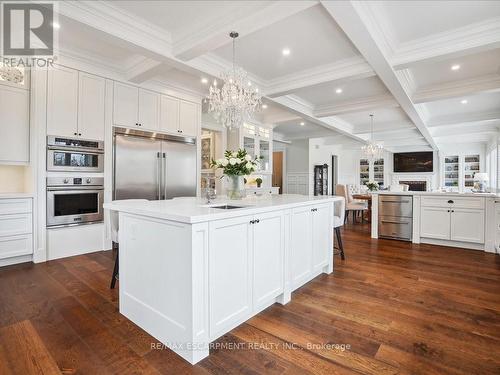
237 163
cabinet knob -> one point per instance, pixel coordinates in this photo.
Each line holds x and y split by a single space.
74 133
452 210
89 180
80 134
252 221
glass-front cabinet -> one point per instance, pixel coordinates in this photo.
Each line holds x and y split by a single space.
256 140
364 171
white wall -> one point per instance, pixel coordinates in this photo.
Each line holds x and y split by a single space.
296 163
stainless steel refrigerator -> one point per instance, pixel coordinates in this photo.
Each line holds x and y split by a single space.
153 166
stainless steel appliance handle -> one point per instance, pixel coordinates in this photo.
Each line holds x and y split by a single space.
164 176
79 150
395 201
74 188
394 222
158 173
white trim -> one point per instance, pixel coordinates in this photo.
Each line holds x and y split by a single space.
357 105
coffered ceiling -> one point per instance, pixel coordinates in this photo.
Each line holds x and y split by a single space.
428 70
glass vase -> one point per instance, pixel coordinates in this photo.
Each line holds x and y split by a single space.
236 187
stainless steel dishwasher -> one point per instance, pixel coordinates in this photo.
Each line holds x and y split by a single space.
395 216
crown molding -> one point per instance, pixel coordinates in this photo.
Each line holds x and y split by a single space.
486 83
119 23
460 41
142 70
358 105
85 61
342 70
190 43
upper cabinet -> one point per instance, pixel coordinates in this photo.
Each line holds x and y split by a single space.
62 102
75 104
91 91
14 125
136 107
179 116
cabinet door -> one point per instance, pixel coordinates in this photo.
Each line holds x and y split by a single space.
301 246
62 102
14 124
229 273
125 105
268 256
149 109
435 222
467 225
169 114
322 231
91 106
188 118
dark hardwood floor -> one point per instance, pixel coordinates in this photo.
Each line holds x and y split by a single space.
390 308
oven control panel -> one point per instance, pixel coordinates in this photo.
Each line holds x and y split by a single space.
75 181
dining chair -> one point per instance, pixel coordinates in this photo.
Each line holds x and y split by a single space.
355 207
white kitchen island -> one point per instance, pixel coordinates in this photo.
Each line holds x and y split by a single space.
465 220
190 272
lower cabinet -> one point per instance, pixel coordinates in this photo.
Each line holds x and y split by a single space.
309 247
16 228
453 223
229 273
246 270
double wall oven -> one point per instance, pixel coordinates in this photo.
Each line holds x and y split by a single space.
74 200
74 155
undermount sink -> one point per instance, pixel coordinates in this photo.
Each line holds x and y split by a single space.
226 207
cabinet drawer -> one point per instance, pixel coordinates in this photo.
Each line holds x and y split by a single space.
452 201
395 205
395 227
13 246
11 225
15 206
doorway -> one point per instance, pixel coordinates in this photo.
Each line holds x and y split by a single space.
278 170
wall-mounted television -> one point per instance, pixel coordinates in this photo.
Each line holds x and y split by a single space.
414 162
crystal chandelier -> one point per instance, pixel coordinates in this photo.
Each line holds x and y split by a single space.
236 99
372 150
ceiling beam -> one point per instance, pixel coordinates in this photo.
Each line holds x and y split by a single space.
473 38
475 118
358 105
386 128
486 83
198 42
305 112
443 131
357 22
143 70
340 71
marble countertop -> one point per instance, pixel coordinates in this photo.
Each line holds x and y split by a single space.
436 193
195 210
15 195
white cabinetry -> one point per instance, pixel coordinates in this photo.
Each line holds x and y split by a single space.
453 218
135 107
14 125
75 104
310 243
179 116
15 227
91 101
246 267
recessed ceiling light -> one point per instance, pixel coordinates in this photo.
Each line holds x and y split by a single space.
204 81
264 106
302 123
464 101
55 25
455 67
338 91
286 51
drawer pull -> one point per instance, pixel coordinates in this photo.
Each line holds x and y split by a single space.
394 222
395 201
450 201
